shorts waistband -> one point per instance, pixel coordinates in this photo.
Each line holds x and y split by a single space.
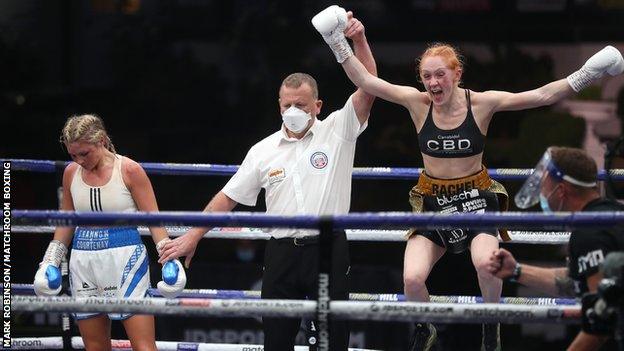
94 239
428 185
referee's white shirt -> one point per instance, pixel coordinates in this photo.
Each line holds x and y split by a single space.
307 176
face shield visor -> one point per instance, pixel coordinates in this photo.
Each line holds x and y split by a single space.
529 194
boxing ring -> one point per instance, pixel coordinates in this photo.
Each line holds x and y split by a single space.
549 229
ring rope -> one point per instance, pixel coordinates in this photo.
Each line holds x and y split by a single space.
23 289
56 343
561 221
349 310
77 343
247 233
188 307
37 343
198 169
454 313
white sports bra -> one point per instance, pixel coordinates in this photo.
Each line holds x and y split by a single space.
113 196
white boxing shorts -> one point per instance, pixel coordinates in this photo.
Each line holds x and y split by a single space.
108 262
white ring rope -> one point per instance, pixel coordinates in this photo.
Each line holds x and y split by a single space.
358 310
27 289
454 313
184 306
56 343
517 237
37 343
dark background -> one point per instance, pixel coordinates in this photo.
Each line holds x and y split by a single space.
193 81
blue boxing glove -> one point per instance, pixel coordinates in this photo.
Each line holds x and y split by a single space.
173 275
173 279
48 278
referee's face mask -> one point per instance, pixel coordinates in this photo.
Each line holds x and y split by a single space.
531 192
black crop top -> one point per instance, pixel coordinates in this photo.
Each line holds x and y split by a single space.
463 141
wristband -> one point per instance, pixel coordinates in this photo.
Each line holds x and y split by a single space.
516 273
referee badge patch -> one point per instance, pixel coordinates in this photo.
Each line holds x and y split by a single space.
319 160
276 175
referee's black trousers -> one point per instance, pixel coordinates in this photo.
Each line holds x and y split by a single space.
291 272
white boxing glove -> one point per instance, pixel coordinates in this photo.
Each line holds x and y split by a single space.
608 60
173 275
48 278
331 23
173 279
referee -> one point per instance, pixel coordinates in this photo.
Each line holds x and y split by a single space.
565 180
305 169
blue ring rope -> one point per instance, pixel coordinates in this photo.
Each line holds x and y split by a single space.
45 166
561 221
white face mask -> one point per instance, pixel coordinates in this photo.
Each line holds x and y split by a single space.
296 120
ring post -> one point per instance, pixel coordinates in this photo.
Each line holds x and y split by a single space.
326 234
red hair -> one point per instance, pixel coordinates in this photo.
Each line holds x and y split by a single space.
453 58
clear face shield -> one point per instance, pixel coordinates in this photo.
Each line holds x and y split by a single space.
529 194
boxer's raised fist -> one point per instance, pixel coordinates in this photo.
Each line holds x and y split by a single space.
331 23
608 60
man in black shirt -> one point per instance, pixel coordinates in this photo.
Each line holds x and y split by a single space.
565 180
